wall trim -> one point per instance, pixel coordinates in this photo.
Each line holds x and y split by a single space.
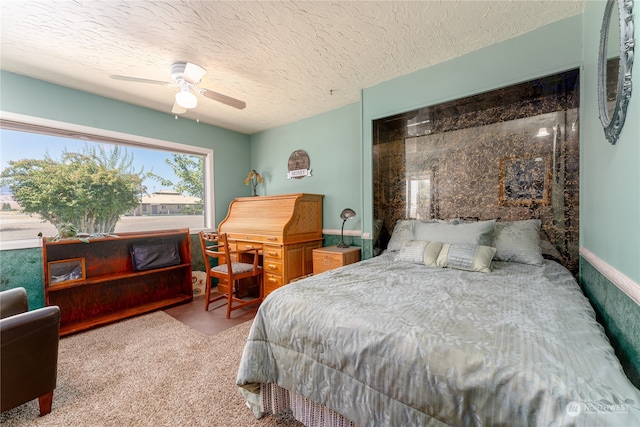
624 283
352 233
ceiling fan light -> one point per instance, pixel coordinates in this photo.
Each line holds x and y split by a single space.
193 73
186 99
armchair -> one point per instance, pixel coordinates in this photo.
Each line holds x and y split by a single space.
28 351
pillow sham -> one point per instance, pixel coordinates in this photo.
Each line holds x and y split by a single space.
402 232
518 241
419 252
479 233
465 256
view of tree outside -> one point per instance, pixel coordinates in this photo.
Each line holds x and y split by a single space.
48 181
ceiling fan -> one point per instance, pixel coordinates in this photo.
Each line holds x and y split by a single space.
186 76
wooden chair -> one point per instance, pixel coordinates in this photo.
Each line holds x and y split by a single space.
229 270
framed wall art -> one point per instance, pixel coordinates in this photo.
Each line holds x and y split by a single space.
525 181
68 270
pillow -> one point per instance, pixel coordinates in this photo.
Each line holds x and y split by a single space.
402 232
419 252
377 229
549 251
518 241
479 233
465 256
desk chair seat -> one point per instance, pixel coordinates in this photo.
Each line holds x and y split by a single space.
231 267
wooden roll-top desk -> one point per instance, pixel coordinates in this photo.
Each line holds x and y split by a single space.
287 228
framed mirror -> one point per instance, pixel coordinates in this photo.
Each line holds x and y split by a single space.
615 60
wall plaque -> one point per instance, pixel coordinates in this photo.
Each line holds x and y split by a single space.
298 165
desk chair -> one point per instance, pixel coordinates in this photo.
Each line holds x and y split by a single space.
229 270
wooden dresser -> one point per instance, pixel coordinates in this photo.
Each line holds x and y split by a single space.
287 228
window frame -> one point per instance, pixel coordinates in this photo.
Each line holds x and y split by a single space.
31 124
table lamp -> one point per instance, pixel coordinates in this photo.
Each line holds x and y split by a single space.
345 215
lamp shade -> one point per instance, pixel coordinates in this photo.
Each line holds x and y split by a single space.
345 215
185 98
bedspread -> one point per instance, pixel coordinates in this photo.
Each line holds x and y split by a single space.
398 344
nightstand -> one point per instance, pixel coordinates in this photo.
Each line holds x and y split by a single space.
331 257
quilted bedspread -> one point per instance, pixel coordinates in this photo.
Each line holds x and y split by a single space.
398 344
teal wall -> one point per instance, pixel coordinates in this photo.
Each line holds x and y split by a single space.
610 178
619 315
23 268
332 142
610 201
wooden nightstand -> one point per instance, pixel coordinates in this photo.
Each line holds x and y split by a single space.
331 257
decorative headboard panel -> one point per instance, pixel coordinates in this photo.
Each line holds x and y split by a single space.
509 154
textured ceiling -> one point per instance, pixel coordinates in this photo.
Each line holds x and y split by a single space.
287 60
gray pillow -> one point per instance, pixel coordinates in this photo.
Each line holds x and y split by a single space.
466 257
478 233
518 241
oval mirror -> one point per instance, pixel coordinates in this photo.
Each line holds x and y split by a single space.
614 66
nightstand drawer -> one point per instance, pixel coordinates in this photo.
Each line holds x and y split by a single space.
331 257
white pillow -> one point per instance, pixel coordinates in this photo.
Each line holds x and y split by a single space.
479 233
518 241
402 232
419 252
465 256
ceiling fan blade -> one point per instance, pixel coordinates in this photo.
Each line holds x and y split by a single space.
178 109
232 102
139 80
193 73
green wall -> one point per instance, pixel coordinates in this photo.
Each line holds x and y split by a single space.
610 202
610 178
332 142
23 268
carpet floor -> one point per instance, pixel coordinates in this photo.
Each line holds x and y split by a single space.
150 370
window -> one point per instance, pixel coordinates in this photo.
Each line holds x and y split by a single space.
159 204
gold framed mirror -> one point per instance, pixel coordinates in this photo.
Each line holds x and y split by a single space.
615 60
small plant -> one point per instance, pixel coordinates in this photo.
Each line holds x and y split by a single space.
67 230
254 179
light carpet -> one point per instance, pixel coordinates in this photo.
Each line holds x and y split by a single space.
150 370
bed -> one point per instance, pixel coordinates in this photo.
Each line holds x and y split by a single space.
496 337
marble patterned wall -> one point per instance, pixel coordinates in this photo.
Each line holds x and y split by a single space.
618 313
23 268
508 154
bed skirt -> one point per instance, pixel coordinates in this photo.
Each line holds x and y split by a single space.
276 399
